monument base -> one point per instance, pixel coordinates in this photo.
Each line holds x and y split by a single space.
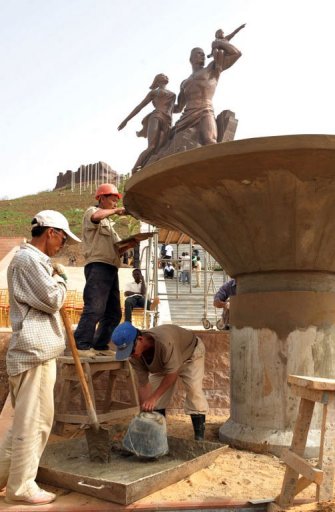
265 440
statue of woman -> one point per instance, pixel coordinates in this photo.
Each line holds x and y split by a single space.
157 124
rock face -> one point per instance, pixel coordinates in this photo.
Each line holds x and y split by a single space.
92 173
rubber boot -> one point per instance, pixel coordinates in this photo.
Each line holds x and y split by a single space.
161 411
198 421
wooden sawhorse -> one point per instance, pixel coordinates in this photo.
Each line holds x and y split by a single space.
70 390
310 390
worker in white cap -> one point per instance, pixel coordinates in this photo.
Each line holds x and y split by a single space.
36 294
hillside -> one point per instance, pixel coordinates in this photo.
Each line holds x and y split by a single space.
16 214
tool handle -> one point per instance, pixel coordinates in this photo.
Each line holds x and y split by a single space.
88 399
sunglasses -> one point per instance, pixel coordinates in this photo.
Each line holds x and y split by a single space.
62 234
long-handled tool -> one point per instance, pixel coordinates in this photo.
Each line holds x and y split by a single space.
97 437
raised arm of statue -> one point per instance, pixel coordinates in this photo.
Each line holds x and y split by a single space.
136 110
235 31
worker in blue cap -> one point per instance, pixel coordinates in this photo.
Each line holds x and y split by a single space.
159 356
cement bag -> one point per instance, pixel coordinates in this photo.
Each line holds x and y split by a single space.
146 436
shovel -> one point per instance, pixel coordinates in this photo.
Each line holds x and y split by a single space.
97 437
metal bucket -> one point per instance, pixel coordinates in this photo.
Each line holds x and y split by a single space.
146 436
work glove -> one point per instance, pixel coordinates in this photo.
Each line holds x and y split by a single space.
60 270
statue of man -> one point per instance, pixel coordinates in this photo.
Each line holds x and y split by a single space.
197 91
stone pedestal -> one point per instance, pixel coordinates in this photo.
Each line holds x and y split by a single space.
265 209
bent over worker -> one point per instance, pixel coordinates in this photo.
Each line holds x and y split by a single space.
36 294
160 356
221 299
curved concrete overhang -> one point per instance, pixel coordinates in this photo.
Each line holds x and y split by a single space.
257 205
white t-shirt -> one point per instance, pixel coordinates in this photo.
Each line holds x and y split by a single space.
168 250
134 287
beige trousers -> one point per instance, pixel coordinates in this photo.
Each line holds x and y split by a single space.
191 373
20 452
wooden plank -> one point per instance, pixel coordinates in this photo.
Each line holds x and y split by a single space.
310 394
93 360
316 383
327 451
302 467
289 486
111 415
302 484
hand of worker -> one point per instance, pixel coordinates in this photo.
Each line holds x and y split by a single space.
219 304
60 270
149 404
120 211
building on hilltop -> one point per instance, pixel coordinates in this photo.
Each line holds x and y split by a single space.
91 175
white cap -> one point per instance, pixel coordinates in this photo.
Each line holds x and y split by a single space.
53 219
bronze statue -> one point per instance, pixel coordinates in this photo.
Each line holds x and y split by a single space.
157 124
218 42
197 91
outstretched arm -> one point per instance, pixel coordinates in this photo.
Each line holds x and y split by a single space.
235 31
136 110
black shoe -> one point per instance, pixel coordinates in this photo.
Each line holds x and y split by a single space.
198 422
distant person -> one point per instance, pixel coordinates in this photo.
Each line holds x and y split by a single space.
221 298
169 270
195 254
159 357
102 308
36 294
125 259
180 265
197 269
72 260
162 255
185 266
135 293
168 252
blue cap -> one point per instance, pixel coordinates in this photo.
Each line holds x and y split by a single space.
124 337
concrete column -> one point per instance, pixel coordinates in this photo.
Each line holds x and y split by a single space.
286 327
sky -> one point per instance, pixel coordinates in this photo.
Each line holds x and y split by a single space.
72 70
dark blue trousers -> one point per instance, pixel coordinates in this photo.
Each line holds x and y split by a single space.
131 302
101 306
